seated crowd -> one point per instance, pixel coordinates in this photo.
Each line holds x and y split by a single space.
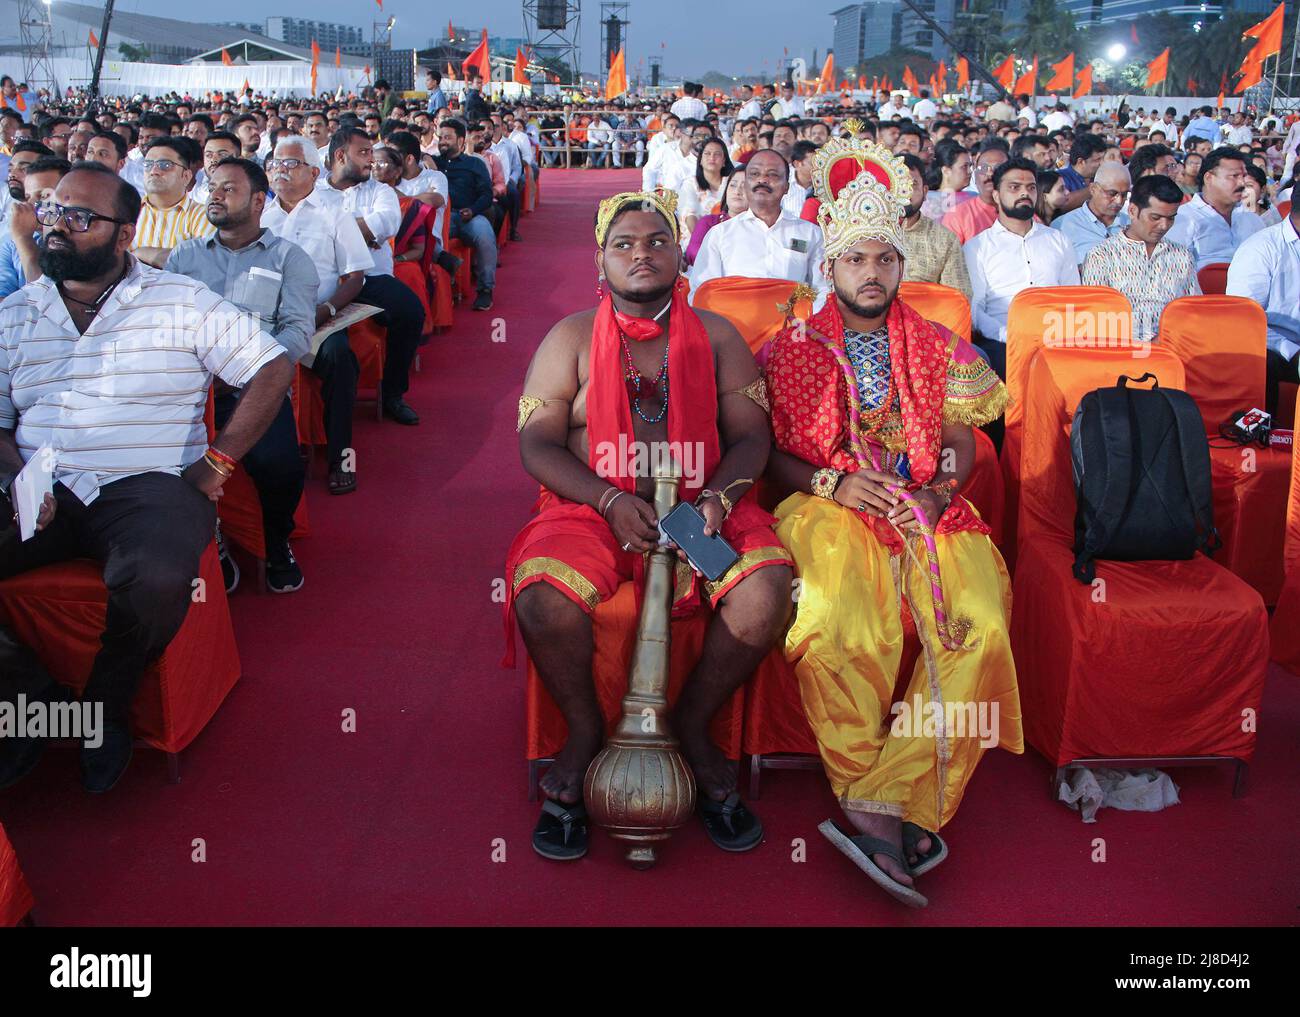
242 245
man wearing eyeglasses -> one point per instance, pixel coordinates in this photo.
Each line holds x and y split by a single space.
168 214
107 363
1102 215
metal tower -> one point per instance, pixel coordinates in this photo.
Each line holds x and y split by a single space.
37 36
553 29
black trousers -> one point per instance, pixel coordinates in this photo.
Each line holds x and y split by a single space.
513 205
148 532
336 364
1277 369
995 353
275 467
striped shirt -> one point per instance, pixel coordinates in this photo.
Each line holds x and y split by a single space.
127 396
167 227
1150 283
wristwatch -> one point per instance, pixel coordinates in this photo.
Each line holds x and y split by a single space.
334 311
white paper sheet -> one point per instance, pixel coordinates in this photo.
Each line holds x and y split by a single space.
30 488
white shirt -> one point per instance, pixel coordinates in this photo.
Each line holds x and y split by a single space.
751 110
924 110
1028 113
689 107
791 248
133 169
1002 263
1208 234
791 107
891 109
429 181
1057 120
692 201
524 144
127 396
795 196
331 238
375 204
1266 268
1242 135
511 162
667 167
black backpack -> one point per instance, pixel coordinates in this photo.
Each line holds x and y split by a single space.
1141 477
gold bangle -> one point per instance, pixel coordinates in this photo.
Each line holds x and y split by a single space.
824 483
217 465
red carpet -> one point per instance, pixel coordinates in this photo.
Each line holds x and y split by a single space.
396 823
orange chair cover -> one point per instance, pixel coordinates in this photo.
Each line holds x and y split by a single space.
240 512
442 300
465 274
59 612
936 302
1156 658
411 275
1078 317
1213 278
752 305
1284 644
367 339
15 895
1221 342
615 633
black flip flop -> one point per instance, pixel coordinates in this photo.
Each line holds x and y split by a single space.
859 848
937 853
729 824
561 831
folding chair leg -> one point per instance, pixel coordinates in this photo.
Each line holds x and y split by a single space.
755 776
173 768
535 767
1239 779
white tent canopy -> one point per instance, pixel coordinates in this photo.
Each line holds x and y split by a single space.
281 78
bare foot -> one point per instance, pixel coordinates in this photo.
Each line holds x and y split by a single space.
888 828
921 849
714 775
563 781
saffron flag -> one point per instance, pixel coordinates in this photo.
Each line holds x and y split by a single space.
1223 89
862 82
827 79
1005 73
1085 82
315 63
521 68
909 80
1133 32
244 90
1251 70
1158 69
225 59
1269 34
381 4
451 73
941 78
480 58
451 32
1192 86
1028 82
1062 79
94 43
963 73
338 56
616 85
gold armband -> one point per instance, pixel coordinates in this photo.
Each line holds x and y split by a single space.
824 483
528 405
755 390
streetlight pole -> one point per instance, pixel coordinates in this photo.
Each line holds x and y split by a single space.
99 57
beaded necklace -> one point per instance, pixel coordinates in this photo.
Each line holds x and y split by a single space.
638 387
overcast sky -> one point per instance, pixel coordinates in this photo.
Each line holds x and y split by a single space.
701 35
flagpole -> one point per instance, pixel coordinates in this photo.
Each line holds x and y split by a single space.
95 72
984 72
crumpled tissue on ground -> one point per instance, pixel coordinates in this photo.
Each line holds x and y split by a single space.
1130 790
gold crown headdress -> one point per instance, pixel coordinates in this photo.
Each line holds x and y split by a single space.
659 200
863 189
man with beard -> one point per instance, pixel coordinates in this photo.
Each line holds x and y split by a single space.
1015 252
765 241
313 218
641 370
135 482
107 149
469 186
1214 223
374 207
168 214
271 278
219 146
933 253
19 254
25 153
872 410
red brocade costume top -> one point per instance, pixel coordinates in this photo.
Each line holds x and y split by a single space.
937 378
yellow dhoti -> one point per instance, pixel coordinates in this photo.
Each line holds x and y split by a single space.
846 644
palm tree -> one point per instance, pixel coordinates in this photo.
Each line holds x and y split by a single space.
1046 30
978 29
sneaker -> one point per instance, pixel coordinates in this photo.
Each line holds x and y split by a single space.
282 572
399 410
484 301
229 568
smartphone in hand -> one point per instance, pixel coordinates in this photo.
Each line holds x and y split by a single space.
710 556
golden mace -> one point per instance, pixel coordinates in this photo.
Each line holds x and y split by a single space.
639 788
